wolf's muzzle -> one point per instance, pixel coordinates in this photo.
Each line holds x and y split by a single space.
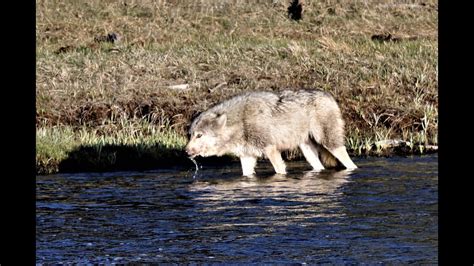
191 152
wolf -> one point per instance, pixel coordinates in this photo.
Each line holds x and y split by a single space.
263 123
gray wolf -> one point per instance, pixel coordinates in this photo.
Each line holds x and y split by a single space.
254 124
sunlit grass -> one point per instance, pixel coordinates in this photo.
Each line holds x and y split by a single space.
55 144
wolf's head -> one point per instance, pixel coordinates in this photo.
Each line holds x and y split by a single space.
207 135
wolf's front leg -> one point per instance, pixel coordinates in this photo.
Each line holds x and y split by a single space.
275 158
248 165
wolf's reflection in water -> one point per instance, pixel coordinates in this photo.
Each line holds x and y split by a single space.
286 199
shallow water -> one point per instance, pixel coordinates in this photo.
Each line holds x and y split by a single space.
385 211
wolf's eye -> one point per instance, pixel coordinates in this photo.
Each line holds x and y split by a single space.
198 135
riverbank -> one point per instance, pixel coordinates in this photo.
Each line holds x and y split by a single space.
144 147
118 83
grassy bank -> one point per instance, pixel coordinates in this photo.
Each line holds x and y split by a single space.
109 147
93 94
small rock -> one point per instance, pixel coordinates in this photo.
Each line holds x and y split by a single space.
391 143
431 147
64 49
179 87
111 37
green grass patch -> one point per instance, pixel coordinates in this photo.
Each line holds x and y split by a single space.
135 146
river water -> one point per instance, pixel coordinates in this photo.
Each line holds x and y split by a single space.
386 211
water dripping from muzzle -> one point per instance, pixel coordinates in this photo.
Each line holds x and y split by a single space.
196 164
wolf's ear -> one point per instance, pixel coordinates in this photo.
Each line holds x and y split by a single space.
221 121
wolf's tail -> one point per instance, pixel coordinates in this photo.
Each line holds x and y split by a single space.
327 159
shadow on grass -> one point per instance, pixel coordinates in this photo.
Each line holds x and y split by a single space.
109 157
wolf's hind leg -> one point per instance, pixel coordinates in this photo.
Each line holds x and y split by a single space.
275 158
341 154
248 165
310 152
